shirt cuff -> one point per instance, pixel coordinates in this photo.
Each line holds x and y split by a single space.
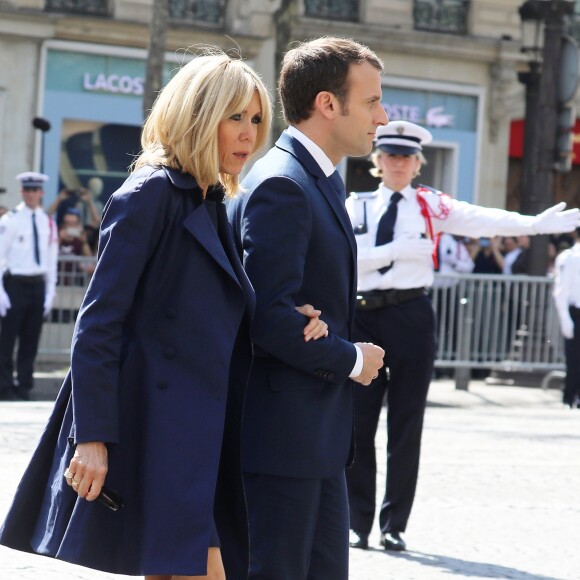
358 365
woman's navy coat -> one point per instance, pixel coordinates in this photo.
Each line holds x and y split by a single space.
160 346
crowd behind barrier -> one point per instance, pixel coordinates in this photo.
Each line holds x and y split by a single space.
496 322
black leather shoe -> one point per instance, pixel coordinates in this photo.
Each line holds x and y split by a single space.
393 541
358 540
6 395
22 394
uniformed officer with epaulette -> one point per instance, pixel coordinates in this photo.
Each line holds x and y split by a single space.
395 229
28 261
567 300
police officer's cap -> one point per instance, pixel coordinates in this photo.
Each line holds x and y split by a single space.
32 179
402 138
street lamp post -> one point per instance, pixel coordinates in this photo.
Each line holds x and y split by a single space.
543 27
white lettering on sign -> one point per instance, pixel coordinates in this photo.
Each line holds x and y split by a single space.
122 84
434 117
398 112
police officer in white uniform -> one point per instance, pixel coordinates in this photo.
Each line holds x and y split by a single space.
28 260
567 300
395 227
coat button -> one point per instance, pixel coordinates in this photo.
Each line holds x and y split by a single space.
162 385
171 313
169 352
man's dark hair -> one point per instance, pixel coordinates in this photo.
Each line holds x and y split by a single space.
319 65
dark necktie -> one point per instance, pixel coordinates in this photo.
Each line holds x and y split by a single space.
386 228
35 236
338 185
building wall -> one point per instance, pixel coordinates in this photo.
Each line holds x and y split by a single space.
484 61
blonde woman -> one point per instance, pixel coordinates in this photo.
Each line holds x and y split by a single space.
151 408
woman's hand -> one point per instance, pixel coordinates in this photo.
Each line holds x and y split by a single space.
316 328
87 469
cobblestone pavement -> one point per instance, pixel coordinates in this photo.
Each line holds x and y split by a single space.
498 494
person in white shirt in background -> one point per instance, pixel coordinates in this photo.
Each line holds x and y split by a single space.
453 258
511 253
28 262
394 311
567 300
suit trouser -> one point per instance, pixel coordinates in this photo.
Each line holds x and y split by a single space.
407 334
572 352
298 527
23 321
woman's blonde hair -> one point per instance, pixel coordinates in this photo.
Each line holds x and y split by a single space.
376 171
181 131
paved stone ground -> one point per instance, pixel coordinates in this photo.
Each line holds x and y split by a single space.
498 493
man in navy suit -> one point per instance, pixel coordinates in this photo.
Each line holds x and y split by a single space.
298 247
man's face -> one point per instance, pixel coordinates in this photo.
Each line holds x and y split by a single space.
362 113
31 196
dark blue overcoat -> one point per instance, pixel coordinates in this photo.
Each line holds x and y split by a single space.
160 359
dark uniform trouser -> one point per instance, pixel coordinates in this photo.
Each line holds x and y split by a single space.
23 320
407 334
572 352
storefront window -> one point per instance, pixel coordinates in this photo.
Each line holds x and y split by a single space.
100 7
441 15
96 156
332 9
210 11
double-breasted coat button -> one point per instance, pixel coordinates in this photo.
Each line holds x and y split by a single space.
162 385
171 313
169 352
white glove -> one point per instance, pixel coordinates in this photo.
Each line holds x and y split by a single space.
554 220
567 326
5 304
48 299
413 249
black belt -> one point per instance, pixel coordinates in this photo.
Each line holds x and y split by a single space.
381 298
27 279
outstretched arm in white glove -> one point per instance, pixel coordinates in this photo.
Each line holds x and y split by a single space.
554 220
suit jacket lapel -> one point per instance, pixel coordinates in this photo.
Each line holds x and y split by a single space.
297 150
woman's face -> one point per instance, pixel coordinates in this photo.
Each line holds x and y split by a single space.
237 137
398 170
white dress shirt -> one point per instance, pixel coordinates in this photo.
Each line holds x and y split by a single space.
328 168
448 215
567 282
17 245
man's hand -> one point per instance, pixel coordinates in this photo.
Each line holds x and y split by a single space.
555 221
315 328
372 362
87 469
5 303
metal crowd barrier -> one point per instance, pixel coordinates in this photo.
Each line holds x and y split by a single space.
74 273
498 322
